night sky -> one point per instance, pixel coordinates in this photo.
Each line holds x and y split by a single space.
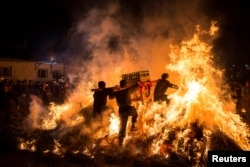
34 29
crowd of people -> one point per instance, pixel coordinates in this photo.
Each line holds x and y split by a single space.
238 78
241 93
48 91
15 98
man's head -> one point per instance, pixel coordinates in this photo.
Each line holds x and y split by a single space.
101 84
123 83
164 76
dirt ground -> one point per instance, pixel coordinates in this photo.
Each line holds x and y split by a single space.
12 157
29 159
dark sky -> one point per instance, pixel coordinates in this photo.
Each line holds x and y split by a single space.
233 45
29 25
32 29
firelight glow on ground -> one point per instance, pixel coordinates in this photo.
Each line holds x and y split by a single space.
203 96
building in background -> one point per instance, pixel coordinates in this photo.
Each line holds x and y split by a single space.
31 70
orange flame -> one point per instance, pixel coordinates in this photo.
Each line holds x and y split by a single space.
199 98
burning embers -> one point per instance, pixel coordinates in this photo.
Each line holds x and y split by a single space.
196 120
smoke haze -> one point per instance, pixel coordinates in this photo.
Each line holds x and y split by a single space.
124 36
116 37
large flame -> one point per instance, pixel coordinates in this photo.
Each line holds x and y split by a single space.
200 98
202 95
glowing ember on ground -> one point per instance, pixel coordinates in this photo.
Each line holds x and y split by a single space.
198 105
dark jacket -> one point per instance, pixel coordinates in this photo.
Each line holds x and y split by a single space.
123 96
161 87
100 97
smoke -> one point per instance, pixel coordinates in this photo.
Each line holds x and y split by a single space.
121 37
118 37
125 36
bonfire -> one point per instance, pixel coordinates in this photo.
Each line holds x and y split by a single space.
200 117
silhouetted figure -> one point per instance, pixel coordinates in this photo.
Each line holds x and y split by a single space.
9 114
18 88
124 102
45 94
55 91
100 99
31 89
245 94
161 87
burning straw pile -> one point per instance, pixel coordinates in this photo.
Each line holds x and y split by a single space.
200 117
